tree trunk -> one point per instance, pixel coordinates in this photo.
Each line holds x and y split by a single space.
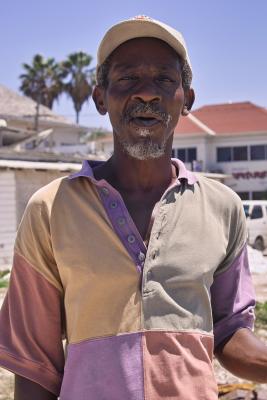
77 117
36 118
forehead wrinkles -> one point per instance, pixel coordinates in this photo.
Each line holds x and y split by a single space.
145 52
140 66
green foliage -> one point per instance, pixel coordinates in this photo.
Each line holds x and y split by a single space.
3 278
3 283
42 80
261 315
4 273
79 79
98 134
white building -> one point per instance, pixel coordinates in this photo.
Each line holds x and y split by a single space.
229 139
19 113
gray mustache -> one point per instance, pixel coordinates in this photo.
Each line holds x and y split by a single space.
145 108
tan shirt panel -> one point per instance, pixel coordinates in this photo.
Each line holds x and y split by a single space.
100 280
33 241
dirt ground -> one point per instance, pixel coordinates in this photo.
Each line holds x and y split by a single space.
260 282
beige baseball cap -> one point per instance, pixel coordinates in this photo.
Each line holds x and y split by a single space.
141 26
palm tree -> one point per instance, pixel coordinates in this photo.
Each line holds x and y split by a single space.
80 79
42 81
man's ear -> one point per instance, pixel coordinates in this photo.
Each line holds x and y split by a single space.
189 98
98 96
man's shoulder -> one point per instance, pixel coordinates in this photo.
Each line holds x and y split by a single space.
219 195
59 192
46 194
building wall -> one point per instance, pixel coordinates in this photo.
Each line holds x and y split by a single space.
105 147
249 176
8 223
16 188
61 135
29 181
65 136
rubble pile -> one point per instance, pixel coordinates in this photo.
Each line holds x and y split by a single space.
241 391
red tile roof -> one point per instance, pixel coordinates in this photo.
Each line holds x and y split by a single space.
231 118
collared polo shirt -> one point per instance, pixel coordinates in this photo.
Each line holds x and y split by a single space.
140 322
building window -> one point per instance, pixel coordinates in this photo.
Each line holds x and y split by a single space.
258 152
259 195
224 154
186 155
243 195
191 154
181 154
240 153
237 153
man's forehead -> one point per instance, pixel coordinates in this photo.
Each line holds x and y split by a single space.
119 65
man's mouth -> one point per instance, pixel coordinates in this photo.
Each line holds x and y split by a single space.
145 121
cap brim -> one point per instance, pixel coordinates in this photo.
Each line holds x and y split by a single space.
136 28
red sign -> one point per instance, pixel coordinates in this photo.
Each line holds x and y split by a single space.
250 175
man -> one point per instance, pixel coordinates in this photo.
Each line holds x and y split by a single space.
135 261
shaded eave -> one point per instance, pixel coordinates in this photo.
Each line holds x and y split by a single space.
39 165
45 122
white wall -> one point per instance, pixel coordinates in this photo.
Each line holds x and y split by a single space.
207 152
28 181
252 166
8 223
16 188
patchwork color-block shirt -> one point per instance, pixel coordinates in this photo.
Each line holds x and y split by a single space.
139 322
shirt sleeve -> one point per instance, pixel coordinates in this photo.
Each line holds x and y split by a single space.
232 292
32 317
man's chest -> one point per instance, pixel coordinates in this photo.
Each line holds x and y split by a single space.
186 241
113 283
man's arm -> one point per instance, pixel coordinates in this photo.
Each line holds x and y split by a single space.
245 356
29 390
26 314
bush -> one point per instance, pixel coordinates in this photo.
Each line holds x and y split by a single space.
261 315
4 278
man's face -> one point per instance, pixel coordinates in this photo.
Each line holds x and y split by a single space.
144 96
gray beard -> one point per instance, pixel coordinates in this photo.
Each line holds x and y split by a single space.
146 149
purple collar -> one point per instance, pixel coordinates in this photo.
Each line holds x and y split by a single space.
87 171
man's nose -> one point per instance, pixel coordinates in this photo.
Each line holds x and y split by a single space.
146 92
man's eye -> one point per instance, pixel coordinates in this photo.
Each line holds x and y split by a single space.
128 78
165 79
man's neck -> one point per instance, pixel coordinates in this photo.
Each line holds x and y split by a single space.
128 174
133 175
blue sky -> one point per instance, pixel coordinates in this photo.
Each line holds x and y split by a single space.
227 42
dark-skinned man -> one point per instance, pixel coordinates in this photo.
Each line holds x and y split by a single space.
141 265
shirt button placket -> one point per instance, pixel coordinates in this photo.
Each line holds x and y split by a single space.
131 239
141 256
105 191
121 221
113 204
